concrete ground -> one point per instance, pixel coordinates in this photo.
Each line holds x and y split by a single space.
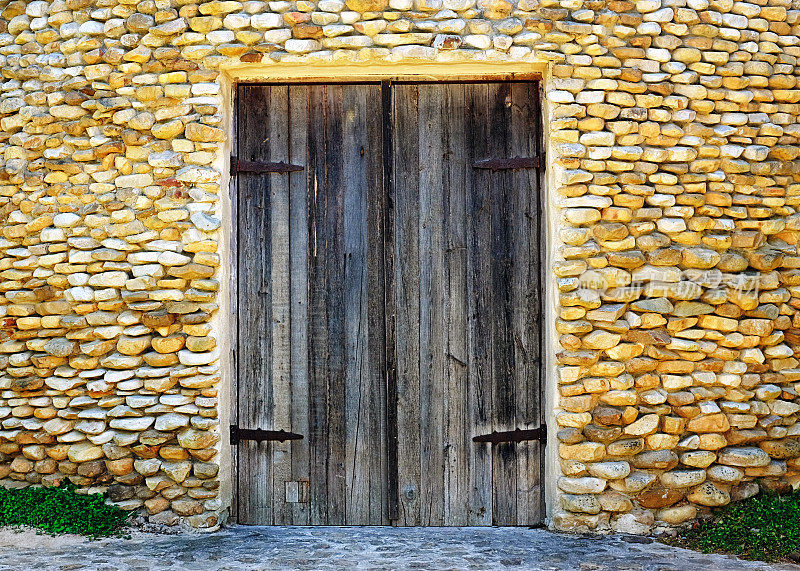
249 548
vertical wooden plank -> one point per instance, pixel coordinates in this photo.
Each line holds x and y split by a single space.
255 315
521 266
504 460
298 256
358 430
457 429
281 459
376 397
390 308
525 299
431 304
318 345
354 269
479 304
405 128
334 253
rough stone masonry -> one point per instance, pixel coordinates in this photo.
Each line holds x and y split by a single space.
673 143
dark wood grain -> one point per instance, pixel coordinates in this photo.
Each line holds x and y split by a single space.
405 129
363 290
504 460
278 128
318 351
390 308
479 310
432 342
256 402
457 422
298 255
332 251
373 393
526 118
354 303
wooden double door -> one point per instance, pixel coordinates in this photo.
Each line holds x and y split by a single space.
388 304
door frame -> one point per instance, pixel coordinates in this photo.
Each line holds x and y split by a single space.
225 320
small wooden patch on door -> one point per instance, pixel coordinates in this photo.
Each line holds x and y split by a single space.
297 492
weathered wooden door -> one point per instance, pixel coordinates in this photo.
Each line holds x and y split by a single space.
310 305
466 261
388 304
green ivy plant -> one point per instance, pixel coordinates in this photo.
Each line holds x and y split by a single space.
60 510
765 527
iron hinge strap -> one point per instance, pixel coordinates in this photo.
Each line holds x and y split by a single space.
240 166
513 163
260 435
517 435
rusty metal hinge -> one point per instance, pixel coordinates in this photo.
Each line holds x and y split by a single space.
516 435
512 163
260 435
240 166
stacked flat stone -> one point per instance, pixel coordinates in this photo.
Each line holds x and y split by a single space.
677 135
110 374
673 152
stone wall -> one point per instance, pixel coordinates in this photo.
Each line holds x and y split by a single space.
673 140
